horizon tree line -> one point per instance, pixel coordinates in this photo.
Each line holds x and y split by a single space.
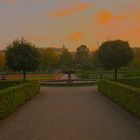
24 56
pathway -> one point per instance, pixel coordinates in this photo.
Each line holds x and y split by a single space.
74 113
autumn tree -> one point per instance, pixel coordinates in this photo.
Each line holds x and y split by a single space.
2 61
49 60
22 56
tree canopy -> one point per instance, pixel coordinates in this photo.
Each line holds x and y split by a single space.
2 61
49 60
82 57
115 54
22 56
66 61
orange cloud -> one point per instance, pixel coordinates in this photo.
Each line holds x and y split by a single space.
70 10
138 18
75 36
106 16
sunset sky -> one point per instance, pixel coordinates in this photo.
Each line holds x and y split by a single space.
49 23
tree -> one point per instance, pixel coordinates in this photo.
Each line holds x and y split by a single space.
136 61
66 63
115 54
49 60
22 56
96 61
82 57
2 61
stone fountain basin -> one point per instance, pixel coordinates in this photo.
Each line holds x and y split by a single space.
71 83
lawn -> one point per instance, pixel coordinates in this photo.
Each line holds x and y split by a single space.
109 74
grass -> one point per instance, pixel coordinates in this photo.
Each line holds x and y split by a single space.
108 74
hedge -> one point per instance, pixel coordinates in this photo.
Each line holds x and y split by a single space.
131 81
126 96
13 97
6 83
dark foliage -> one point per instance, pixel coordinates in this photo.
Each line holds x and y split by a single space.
82 57
114 54
13 97
22 56
131 81
126 96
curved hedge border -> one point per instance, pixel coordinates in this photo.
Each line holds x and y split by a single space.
131 81
7 83
12 97
126 96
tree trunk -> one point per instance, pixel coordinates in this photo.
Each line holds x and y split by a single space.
69 77
24 75
116 73
101 76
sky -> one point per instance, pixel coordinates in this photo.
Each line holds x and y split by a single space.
52 23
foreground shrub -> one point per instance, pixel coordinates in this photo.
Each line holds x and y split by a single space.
125 95
12 97
131 81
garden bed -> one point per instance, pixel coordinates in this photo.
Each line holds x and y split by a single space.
34 77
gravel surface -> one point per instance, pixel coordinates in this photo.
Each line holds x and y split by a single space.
74 113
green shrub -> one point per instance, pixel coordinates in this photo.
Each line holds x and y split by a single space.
131 81
125 95
6 83
12 97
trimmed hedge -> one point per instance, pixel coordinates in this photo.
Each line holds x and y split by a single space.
5 84
131 81
126 96
13 97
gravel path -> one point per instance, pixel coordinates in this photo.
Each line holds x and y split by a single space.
78 113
